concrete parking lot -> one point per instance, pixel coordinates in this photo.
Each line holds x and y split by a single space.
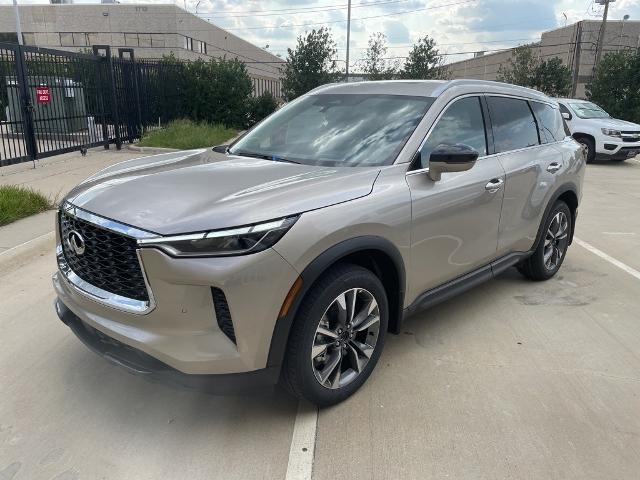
512 380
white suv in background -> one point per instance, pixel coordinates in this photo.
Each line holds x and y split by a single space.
604 138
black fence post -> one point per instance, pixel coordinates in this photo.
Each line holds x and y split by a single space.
112 88
136 88
101 65
26 104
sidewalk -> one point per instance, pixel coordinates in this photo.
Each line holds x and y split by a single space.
53 177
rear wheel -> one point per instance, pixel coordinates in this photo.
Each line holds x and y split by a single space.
589 146
552 248
337 336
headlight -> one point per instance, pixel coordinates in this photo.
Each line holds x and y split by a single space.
611 133
234 241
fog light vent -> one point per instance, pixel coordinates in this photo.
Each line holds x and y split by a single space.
223 315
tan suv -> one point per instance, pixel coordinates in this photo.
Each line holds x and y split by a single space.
292 254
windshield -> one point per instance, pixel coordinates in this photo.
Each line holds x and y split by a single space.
588 110
337 130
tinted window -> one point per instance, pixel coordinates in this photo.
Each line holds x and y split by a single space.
513 124
551 124
337 130
462 122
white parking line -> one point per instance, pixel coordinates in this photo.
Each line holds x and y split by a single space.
608 258
303 443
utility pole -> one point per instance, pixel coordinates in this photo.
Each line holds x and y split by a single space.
348 37
603 30
18 27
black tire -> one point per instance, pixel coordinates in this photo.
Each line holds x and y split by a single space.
536 267
590 146
299 369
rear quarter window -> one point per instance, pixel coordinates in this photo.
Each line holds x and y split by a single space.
551 124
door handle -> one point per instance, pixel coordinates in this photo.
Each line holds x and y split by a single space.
494 185
553 167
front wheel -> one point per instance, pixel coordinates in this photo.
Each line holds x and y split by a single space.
552 247
589 146
337 336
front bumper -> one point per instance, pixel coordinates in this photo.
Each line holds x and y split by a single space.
617 150
182 330
140 363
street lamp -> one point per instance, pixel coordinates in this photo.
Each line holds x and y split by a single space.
624 19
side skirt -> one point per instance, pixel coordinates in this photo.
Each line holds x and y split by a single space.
465 282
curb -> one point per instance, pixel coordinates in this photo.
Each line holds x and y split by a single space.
136 148
26 251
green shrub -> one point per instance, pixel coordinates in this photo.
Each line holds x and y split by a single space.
261 107
19 202
185 134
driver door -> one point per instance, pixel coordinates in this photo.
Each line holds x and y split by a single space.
455 220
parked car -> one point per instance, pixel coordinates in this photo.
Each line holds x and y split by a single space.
290 255
603 137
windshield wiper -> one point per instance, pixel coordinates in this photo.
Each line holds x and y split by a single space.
264 156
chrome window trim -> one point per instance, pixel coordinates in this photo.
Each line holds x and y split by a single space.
106 223
97 294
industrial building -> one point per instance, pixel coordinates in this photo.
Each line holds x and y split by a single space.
575 45
151 30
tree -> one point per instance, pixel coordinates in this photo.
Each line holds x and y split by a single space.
311 64
519 68
261 106
615 85
552 78
374 64
424 61
217 91
526 69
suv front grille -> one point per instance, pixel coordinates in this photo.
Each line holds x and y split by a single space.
631 136
109 261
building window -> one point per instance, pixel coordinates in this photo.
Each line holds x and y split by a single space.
144 39
79 39
131 39
202 47
157 40
9 37
188 43
66 39
29 38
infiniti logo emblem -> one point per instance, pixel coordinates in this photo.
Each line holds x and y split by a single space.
75 242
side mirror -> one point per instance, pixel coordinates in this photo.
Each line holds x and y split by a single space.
451 158
220 148
566 115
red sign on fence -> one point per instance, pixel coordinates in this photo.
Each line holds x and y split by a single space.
43 94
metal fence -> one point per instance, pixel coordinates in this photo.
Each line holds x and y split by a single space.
52 101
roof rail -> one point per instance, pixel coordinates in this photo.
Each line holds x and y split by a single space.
467 81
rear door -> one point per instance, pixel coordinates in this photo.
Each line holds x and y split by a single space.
526 151
455 220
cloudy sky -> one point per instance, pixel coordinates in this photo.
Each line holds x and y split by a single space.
457 25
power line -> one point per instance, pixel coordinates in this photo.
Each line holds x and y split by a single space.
300 11
354 19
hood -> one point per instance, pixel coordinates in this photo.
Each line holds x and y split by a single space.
201 190
616 124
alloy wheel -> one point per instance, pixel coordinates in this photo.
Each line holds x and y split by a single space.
345 338
556 241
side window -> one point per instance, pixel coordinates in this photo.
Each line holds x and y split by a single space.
461 122
513 124
551 123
